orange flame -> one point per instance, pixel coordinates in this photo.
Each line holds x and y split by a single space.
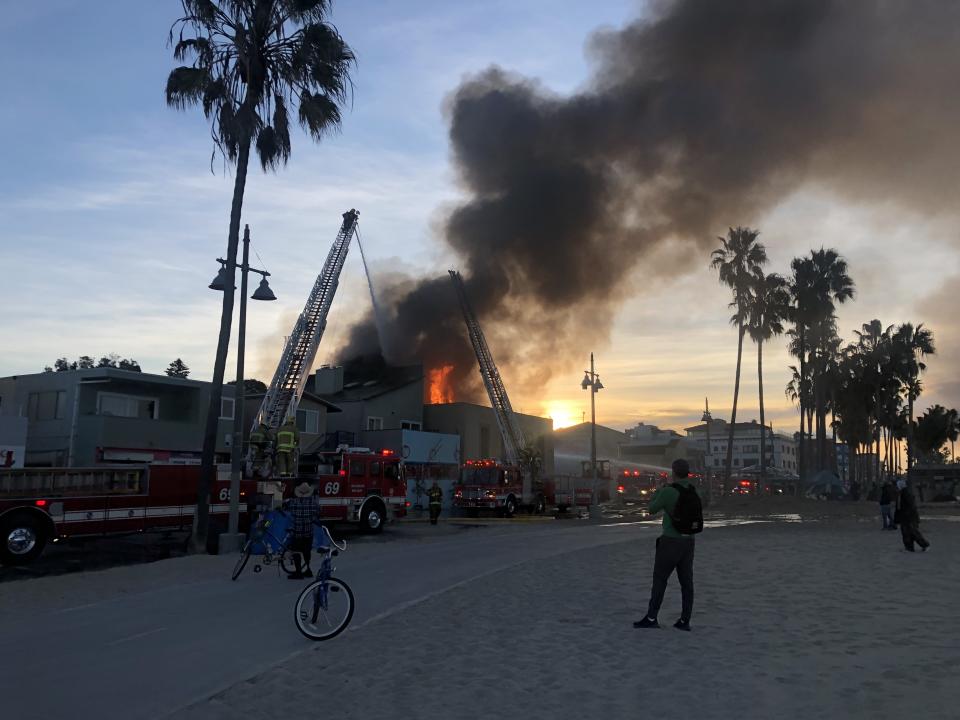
439 389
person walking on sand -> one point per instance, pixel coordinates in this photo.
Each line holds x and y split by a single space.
887 494
436 501
909 518
305 509
682 519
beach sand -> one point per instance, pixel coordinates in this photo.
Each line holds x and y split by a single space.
792 620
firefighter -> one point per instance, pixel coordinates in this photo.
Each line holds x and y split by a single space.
261 440
287 440
436 499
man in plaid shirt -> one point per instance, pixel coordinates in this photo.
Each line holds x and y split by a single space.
305 509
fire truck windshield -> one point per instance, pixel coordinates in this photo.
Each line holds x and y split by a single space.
473 475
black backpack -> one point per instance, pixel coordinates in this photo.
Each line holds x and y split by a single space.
687 516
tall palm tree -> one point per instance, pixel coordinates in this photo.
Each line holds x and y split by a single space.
768 307
253 62
911 344
818 283
833 286
802 283
738 259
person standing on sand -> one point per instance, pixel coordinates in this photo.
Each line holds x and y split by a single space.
887 494
909 518
682 519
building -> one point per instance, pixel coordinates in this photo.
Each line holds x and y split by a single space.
642 432
479 435
781 449
649 445
82 418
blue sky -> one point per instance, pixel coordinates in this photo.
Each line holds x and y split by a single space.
111 218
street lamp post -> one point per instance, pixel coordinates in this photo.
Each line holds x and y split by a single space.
592 382
232 540
708 470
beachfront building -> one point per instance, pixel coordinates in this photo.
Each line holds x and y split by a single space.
97 416
781 449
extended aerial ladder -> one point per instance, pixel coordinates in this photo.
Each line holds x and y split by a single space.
296 361
513 439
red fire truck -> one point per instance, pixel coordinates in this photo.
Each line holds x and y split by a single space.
487 485
355 485
41 505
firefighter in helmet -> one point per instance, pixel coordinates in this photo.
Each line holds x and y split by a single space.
261 440
288 437
436 500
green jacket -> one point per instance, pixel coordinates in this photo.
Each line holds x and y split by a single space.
666 499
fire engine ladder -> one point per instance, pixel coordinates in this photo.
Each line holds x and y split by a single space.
513 439
290 378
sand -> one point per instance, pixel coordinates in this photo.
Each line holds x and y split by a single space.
822 620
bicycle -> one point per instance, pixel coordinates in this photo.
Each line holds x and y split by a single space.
273 547
325 607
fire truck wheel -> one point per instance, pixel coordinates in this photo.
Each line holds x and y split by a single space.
510 506
373 517
23 539
541 506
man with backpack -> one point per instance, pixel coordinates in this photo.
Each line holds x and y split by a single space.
682 519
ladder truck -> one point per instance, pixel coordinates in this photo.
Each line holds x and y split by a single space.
485 483
354 484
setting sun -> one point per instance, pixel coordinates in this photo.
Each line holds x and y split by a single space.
562 413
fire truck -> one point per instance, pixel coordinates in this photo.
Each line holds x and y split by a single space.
44 505
355 485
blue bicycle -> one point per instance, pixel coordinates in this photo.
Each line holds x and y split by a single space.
273 547
325 607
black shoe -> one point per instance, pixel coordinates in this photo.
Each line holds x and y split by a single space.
682 624
308 573
295 576
646 623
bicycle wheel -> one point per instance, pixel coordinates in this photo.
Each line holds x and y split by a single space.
242 560
324 609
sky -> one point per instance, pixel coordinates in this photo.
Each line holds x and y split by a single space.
112 219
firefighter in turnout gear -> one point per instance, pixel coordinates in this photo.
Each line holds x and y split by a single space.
288 437
261 441
436 499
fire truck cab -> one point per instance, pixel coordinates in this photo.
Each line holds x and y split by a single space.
355 485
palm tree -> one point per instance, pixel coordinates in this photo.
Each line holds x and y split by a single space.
252 63
768 307
832 286
910 345
738 259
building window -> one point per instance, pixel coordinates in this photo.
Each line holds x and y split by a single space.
47 405
411 425
128 406
226 408
374 423
308 421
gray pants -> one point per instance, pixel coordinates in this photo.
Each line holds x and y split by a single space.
672 554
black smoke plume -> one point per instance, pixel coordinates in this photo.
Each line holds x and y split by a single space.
702 115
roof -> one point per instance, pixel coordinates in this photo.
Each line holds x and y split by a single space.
309 396
364 383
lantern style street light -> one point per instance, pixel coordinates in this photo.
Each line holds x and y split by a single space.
591 381
232 539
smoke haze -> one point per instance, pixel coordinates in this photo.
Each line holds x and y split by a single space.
703 115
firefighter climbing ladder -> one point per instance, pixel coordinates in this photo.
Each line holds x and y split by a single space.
283 395
513 439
